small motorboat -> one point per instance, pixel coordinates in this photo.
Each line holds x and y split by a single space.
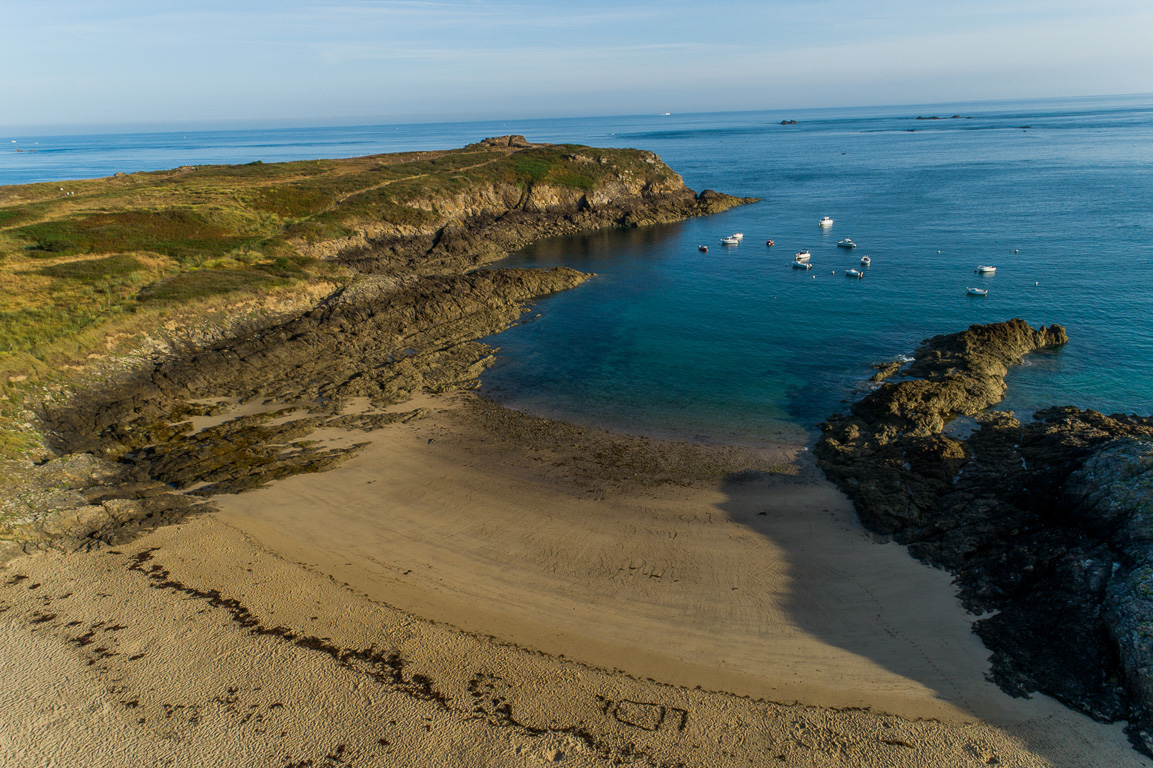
703 248
770 243
985 270
977 291
803 256
740 236
802 265
846 243
865 260
853 273
825 222
730 240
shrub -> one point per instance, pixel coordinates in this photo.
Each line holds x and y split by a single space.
93 270
208 282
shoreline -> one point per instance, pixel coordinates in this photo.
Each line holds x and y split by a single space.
307 543
293 600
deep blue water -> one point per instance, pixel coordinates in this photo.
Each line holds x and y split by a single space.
1058 195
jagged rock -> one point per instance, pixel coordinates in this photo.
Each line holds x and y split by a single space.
486 222
884 371
516 141
1047 525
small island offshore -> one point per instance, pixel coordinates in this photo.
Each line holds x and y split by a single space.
253 514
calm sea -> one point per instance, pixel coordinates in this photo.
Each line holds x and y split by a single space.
734 343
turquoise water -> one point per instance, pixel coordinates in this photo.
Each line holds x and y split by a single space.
734 344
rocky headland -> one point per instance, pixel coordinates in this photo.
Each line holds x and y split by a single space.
481 585
1046 524
122 452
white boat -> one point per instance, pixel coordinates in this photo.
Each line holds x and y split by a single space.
846 243
803 256
825 222
977 291
865 260
802 265
853 273
730 240
986 270
738 235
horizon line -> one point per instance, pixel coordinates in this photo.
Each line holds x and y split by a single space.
288 123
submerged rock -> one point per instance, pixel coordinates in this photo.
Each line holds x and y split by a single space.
1047 525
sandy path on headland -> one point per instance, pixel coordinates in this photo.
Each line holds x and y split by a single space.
448 599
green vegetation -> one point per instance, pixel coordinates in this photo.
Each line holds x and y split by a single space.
182 234
91 270
203 283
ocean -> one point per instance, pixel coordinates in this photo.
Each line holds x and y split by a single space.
734 344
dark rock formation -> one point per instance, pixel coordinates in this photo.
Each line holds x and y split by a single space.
487 224
515 141
375 340
1048 526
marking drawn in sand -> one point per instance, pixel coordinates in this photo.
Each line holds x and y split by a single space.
645 715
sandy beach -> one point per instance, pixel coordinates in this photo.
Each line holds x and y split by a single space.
479 587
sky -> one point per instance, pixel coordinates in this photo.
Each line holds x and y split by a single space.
77 64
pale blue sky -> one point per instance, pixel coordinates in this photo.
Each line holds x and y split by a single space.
78 63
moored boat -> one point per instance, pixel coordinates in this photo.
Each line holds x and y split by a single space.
730 240
865 260
985 269
802 265
977 291
825 222
803 256
703 248
846 243
853 273
739 235
770 243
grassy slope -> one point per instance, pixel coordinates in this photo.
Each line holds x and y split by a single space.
85 261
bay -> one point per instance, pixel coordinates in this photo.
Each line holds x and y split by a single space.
736 345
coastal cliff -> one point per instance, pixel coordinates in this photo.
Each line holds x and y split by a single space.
374 260
1047 525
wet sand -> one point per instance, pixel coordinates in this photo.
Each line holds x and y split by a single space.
478 588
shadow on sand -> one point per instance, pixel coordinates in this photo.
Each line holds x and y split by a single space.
851 590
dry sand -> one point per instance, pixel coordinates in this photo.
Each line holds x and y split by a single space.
457 596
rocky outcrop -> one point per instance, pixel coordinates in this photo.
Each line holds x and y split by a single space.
485 222
488 224
515 141
1047 525
376 339
890 454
